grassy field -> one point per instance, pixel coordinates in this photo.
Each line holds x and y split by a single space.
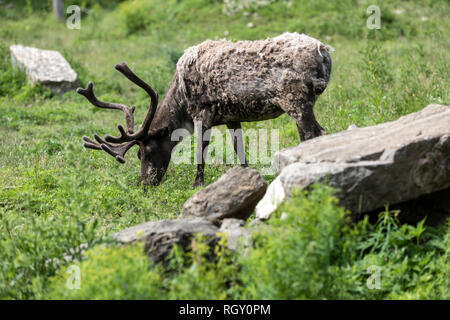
55 195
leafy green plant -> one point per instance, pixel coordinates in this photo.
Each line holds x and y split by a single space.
199 274
295 257
140 15
32 252
309 250
128 277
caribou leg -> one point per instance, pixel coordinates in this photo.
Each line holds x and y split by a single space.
238 142
303 114
203 138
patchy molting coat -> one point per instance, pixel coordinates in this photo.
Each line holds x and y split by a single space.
220 82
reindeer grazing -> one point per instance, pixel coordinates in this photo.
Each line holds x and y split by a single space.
221 82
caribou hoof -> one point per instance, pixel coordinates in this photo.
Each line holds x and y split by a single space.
198 183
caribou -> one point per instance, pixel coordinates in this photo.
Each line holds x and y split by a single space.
221 83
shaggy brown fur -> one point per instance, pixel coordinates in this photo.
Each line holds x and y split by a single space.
224 82
220 82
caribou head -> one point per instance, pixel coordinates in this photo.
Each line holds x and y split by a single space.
153 148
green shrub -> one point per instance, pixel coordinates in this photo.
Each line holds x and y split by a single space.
309 251
313 254
296 258
31 249
198 275
140 15
413 261
111 273
135 14
125 273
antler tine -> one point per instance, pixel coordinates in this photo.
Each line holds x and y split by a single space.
116 150
88 93
143 130
118 146
91 144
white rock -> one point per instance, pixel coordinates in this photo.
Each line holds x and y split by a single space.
45 67
390 163
274 196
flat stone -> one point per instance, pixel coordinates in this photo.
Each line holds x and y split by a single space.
384 164
142 231
45 67
160 236
234 195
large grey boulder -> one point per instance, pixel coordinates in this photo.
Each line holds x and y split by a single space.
384 164
45 67
160 236
234 195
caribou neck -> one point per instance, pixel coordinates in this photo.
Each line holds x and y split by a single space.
171 113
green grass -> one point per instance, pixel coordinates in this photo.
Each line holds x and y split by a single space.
55 195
